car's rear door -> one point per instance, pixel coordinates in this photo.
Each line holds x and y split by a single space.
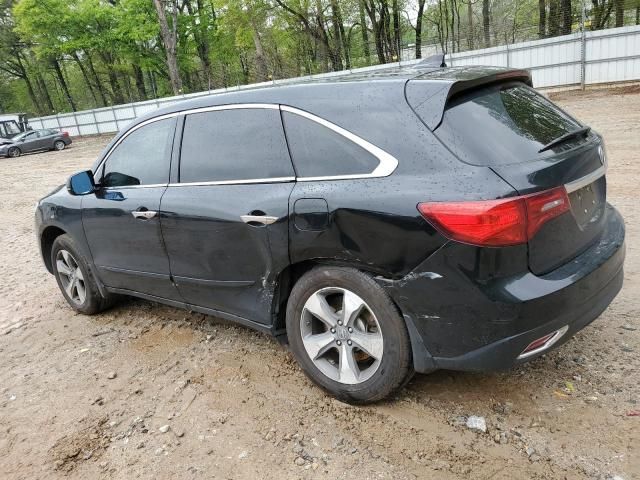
225 213
121 219
43 141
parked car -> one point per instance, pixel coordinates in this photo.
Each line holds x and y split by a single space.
409 220
34 141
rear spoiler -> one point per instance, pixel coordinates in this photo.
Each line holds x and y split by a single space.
428 93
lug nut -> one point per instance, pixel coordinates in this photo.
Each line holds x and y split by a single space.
348 342
339 322
333 330
350 330
339 342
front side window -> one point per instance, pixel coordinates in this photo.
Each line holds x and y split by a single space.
142 158
318 151
235 144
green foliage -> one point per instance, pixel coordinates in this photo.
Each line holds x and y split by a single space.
59 55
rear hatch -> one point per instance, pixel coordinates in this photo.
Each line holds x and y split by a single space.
534 146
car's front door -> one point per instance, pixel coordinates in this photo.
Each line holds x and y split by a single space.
121 219
225 218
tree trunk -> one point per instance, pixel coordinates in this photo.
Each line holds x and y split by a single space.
396 27
554 18
378 33
619 7
22 73
96 78
385 21
365 33
344 40
139 75
485 23
116 90
203 42
44 91
453 26
542 18
261 62
565 6
85 76
470 28
337 38
170 41
63 84
419 28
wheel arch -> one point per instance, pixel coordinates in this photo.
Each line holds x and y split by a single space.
422 359
48 236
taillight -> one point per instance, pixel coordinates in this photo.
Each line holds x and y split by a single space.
496 223
65 134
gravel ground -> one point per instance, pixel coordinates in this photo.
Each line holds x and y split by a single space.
148 391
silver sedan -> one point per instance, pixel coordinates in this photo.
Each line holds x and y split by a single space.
33 141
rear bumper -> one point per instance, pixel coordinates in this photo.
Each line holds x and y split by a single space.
460 318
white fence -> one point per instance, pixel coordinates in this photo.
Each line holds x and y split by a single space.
587 58
602 56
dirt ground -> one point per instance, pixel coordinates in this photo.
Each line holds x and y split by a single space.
237 406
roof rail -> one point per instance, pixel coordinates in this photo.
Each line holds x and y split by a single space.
433 61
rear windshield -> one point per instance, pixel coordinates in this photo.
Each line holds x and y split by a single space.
504 124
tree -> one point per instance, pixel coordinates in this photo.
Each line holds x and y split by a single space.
419 28
169 34
542 18
566 17
486 22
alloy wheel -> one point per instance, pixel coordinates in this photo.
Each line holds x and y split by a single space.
71 277
341 335
58 145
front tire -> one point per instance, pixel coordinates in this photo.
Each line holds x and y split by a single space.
14 152
59 145
75 279
347 335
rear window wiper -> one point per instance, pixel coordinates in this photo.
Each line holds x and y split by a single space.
563 138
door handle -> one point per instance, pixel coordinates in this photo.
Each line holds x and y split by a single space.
264 219
144 214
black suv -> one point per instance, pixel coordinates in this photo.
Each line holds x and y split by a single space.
409 220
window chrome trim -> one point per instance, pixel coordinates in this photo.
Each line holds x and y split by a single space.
386 166
235 182
388 163
127 187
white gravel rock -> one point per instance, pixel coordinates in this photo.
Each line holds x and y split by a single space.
477 423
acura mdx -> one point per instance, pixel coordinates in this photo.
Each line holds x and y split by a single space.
384 223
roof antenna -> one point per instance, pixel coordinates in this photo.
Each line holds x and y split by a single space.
433 61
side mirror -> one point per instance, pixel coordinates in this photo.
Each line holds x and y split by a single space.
81 183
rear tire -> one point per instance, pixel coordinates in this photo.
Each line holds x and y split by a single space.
359 357
14 152
59 145
75 279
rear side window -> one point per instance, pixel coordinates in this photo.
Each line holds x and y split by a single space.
228 145
503 124
318 151
142 158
